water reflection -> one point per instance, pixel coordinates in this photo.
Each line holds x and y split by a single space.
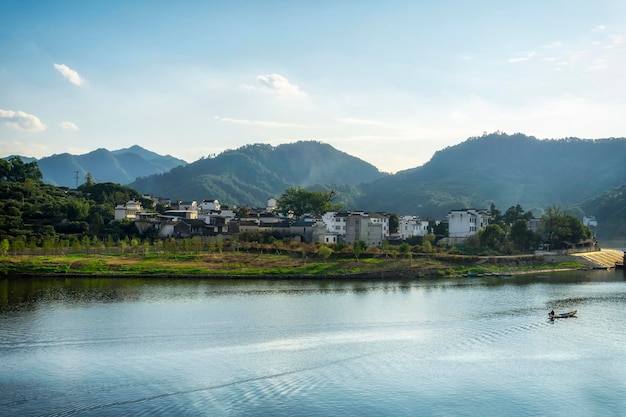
480 346
25 293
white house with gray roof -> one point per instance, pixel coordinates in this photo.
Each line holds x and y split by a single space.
466 222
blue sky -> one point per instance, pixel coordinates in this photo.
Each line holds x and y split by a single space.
390 82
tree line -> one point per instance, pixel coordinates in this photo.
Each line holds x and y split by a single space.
38 215
510 232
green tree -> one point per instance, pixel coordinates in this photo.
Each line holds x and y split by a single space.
298 201
558 227
492 237
520 235
495 216
4 247
404 248
358 247
5 170
15 170
515 213
89 179
552 225
324 252
76 209
394 222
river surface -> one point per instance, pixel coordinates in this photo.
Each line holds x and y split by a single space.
462 347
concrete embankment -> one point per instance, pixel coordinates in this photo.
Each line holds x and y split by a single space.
604 258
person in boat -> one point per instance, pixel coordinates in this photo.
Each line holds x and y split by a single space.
552 313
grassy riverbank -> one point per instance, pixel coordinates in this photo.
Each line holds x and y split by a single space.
232 264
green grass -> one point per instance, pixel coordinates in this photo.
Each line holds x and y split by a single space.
255 264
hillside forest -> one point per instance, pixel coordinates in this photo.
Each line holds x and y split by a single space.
39 216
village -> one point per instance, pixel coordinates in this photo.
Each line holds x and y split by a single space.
210 218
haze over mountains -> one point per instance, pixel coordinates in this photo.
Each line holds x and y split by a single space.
121 166
497 168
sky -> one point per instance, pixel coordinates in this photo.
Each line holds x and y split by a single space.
390 82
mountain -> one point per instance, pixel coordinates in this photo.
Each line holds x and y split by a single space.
609 209
253 173
121 166
504 169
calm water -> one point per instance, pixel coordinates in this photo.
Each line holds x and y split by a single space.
479 346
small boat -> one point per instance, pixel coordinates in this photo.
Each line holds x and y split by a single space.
563 315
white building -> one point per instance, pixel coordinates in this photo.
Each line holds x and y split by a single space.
128 210
465 223
335 222
590 221
353 226
188 205
411 226
209 205
272 205
322 235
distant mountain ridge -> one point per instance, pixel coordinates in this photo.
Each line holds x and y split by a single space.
504 169
253 173
120 166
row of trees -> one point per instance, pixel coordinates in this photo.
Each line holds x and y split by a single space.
509 232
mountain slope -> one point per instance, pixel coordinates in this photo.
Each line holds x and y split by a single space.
253 173
506 170
608 209
121 166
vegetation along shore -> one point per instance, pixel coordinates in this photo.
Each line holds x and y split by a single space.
276 263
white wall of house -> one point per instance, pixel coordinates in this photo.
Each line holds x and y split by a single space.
208 205
188 205
466 223
590 221
411 226
375 234
335 222
212 217
370 228
383 221
272 204
128 210
321 235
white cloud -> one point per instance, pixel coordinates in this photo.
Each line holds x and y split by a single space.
599 28
280 86
71 75
19 120
262 123
524 57
69 126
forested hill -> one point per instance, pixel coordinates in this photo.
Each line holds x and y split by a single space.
253 173
609 208
504 169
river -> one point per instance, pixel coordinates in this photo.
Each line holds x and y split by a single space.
464 347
